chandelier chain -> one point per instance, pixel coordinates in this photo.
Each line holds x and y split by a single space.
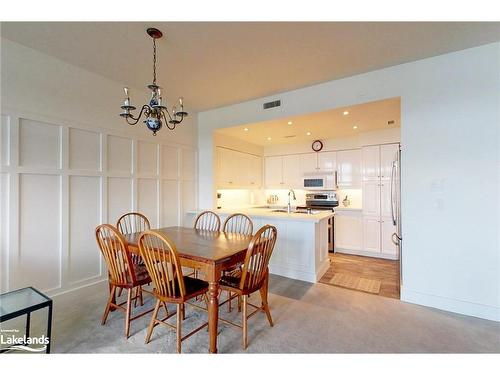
154 61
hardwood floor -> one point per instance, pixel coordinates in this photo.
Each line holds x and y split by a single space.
387 271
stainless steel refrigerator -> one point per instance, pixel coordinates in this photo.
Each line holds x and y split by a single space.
396 208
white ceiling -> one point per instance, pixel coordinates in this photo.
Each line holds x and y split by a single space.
322 125
213 64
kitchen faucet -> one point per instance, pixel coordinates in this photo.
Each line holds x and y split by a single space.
289 207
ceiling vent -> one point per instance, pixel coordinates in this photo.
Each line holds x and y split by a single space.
273 104
290 136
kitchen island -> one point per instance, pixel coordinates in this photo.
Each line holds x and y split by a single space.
301 250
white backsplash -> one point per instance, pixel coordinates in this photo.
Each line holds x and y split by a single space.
354 195
238 198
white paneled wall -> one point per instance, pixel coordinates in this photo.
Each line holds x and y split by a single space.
58 182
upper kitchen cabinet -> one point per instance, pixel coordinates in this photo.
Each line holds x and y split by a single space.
292 176
327 161
274 172
371 163
377 161
237 169
308 163
283 172
318 162
349 169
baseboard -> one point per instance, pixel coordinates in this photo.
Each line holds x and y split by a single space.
293 274
322 269
452 305
70 290
366 253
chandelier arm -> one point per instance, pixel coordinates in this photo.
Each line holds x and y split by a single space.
169 126
145 107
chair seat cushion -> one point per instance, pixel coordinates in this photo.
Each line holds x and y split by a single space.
194 286
142 275
232 280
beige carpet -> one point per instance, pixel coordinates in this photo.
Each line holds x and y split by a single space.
308 318
355 282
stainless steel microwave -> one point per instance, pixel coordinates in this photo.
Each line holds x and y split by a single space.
327 181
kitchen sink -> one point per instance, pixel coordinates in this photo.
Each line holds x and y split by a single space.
311 212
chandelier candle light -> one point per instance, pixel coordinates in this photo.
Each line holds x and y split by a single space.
156 112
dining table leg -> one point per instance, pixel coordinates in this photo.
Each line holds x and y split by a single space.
213 308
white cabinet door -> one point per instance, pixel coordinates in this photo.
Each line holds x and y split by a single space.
385 198
371 234
349 169
348 231
327 161
292 177
388 246
371 198
274 172
308 163
255 171
388 154
226 166
371 163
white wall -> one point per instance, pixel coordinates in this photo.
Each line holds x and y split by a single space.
375 137
450 120
69 163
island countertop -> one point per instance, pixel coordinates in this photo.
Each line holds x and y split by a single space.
269 213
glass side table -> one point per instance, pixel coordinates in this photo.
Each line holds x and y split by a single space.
23 302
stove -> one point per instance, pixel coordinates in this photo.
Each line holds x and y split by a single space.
325 201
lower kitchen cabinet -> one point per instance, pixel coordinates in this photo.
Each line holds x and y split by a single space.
371 234
360 234
348 230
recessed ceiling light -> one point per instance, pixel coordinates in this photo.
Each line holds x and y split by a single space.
354 127
308 133
346 113
246 129
269 138
290 123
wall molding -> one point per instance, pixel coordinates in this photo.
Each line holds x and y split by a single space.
94 167
449 304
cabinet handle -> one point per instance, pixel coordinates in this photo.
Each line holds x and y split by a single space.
230 182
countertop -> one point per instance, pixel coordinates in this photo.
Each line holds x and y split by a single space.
342 208
267 212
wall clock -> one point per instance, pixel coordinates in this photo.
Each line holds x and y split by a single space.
317 145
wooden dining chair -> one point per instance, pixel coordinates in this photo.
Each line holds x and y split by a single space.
169 285
254 276
240 224
122 271
132 222
207 220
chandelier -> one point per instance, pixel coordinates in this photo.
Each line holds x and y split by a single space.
156 112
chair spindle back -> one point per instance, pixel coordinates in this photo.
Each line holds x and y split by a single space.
207 220
257 258
162 263
238 223
114 250
133 222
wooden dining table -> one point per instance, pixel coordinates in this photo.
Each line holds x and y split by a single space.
208 251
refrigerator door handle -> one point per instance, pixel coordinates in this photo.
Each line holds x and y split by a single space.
392 193
395 239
